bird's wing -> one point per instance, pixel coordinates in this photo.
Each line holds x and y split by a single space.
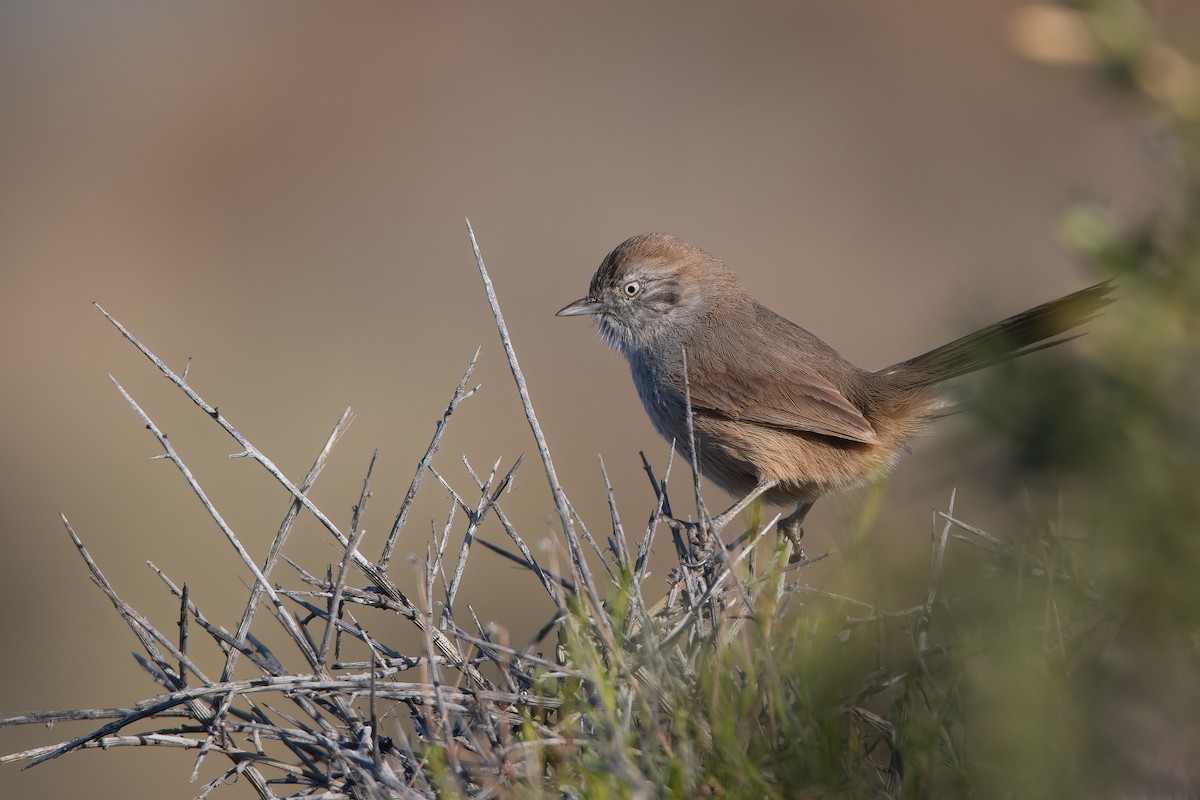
794 400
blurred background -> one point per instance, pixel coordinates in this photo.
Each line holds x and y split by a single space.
277 192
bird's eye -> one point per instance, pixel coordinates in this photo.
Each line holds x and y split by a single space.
631 289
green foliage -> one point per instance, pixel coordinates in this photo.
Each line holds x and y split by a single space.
1036 651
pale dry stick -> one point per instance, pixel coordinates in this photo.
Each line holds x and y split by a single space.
144 740
618 544
220 726
442 541
239 768
684 555
149 636
691 589
352 759
243 766
587 537
438 547
435 680
51 718
484 651
522 561
310 686
489 651
183 636
721 555
253 714
391 665
248 449
359 685
725 572
223 638
377 576
388 660
344 628
473 517
460 394
701 510
377 661
513 680
459 635
305 746
416 767
365 495
548 581
304 574
487 501
335 600
356 516
454 495
640 621
994 544
662 507
289 624
937 553
744 590
475 476
782 586
579 563
305 749
553 669
640 615
143 712
492 733
706 521
403 606
374 716
281 536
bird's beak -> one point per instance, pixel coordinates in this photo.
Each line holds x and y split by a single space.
579 308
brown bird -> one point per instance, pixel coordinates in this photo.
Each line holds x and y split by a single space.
778 414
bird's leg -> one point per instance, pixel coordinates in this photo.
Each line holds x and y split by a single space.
789 527
701 535
763 487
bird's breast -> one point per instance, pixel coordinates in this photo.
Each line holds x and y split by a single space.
664 403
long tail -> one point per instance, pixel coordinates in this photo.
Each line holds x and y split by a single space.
1022 333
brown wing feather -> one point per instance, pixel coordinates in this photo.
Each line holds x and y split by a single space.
796 401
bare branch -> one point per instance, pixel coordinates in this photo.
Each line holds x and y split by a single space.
578 562
460 394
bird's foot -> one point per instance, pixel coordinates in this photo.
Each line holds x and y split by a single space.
791 530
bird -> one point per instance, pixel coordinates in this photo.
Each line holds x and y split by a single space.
777 413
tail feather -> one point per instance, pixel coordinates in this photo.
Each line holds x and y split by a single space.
1018 335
